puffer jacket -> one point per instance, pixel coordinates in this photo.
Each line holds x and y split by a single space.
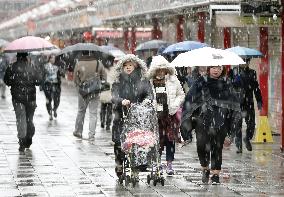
174 90
23 77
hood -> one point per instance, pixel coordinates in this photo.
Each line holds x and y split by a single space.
130 57
159 62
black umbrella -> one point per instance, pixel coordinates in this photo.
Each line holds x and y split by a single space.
69 55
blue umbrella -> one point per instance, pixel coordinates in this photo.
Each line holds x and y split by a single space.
116 52
184 46
244 52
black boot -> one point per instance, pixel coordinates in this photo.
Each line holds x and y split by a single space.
22 145
28 142
248 144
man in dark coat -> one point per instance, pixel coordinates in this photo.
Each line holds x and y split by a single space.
245 82
23 77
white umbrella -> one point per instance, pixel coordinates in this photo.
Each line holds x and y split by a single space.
207 56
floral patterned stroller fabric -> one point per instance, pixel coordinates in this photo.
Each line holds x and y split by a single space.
140 136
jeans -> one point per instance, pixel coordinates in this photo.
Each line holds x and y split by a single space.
92 101
24 119
52 91
170 149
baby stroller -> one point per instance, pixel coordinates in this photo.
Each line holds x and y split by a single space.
140 143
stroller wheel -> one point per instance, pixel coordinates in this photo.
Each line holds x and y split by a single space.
162 181
148 179
127 180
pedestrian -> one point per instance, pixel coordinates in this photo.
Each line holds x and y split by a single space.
169 97
130 86
85 70
209 101
23 77
245 82
3 65
105 98
52 85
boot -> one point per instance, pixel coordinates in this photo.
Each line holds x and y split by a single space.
28 142
22 145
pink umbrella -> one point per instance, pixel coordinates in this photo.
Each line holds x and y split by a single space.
28 44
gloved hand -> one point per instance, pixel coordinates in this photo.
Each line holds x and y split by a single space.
259 106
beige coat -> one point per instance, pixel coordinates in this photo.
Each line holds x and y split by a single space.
105 96
86 69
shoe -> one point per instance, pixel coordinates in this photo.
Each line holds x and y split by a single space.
50 117
3 96
215 179
77 134
28 142
118 170
170 170
102 125
91 137
248 144
55 114
239 150
107 128
205 175
22 145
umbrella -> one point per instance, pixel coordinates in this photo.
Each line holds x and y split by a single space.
152 44
3 42
54 51
116 52
184 46
207 56
245 52
28 44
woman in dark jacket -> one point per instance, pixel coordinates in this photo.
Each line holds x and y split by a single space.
209 102
22 76
130 86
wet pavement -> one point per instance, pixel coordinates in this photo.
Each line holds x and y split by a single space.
59 164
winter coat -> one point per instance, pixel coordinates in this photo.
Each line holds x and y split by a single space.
211 100
23 77
86 68
134 87
105 96
174 90
245 82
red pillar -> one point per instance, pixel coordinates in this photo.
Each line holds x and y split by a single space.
264 69
282 78
125 37
156 32
179 27
227 41
201 26
133 40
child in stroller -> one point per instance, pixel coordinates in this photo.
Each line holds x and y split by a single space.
140 143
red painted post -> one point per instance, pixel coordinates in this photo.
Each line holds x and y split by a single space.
282 78
156 32
179 27
133 40
227 41
201 26
125 37
264 69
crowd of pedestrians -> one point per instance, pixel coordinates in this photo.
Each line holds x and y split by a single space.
208 101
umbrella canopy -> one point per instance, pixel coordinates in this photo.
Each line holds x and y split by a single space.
28 44
54 51
207 56
116 52
3 42
184 46
152 44
245 52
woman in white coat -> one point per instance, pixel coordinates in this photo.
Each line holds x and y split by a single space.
169 96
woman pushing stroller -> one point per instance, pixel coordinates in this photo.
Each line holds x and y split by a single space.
130 86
